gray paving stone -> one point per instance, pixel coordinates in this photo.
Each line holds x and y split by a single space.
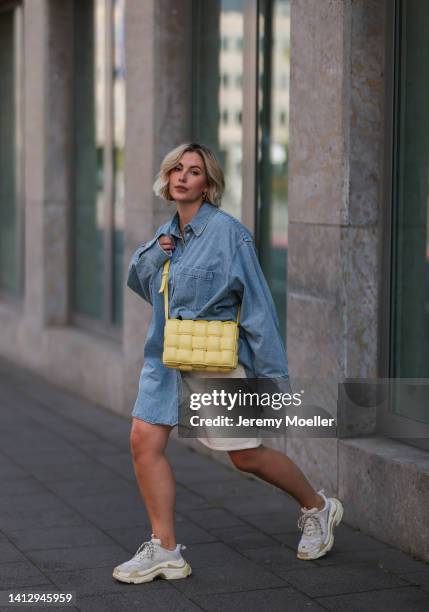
9 553
242 575
273 556
243 505
21 486
110 511
188 500
273 522
420 578
59 537
119 463
212 518
71 431
49 420
10 470
130 538
243 537
192 461
37 442
188 533
211 554
27 504
100 447
407 599
179 450
46 458
272 600
55 516
228 489
76 489
19 574
81 470
36 438
387 558
66 559
139 599
99 581
202 474
336 580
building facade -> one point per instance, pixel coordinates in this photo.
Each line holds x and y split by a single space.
316 109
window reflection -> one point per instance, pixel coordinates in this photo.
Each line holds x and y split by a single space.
410 304
217 94
273 142
99 140
89 80
9 269
118 153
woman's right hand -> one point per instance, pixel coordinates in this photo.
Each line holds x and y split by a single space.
166 242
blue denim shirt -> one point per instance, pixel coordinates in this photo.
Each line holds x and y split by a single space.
214 270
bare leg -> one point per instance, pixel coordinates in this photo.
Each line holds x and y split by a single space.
155 477
276 468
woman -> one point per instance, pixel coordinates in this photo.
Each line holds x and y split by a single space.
213 268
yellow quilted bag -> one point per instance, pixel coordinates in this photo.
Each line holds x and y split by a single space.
197 344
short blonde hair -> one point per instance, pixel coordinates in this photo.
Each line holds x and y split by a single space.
214 172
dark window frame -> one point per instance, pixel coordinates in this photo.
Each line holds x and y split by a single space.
15 298
387 309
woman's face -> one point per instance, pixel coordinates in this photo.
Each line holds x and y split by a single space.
188 179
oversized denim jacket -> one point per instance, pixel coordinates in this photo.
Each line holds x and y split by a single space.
214 270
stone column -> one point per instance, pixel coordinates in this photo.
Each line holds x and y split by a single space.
336 133
48 46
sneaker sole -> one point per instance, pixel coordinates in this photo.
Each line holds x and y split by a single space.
334 520
168 573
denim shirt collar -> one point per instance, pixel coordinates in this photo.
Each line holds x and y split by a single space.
198 221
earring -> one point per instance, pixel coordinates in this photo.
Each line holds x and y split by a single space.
204 195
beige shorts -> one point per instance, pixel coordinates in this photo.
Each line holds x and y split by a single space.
222 444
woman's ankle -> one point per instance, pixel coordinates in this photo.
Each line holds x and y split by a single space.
166 542
168 545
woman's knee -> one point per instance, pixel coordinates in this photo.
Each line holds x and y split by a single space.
147 440
246 459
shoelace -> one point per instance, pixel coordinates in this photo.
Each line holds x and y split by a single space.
145 550
310 524
148 548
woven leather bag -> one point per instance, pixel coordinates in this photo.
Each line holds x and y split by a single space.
197 344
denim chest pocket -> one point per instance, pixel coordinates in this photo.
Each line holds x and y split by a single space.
192 287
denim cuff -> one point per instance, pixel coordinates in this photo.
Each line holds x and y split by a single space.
153 253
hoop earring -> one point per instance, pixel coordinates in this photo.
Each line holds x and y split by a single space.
204 196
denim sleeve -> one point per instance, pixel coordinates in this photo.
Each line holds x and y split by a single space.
146 260
258 316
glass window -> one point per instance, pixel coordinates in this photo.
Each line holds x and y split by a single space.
99 135
410 239
118 156
218 61
11 241
273 139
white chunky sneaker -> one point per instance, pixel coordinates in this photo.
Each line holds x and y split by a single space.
318 528
151 560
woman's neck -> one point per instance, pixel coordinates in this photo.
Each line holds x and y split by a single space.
186 212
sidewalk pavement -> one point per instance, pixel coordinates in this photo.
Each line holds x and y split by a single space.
70 511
